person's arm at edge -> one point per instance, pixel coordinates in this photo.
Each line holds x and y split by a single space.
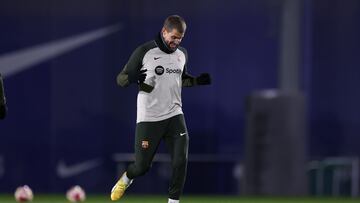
3 108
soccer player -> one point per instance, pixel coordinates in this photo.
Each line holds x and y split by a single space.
159 68
3 108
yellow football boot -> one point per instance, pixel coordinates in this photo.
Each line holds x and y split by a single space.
119 189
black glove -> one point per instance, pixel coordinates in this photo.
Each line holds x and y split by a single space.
203 79
139 77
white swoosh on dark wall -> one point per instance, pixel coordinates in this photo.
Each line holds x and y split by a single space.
20 60
66 171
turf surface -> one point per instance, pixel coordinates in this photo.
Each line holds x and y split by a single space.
185 199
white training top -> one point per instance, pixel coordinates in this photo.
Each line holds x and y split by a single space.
164 74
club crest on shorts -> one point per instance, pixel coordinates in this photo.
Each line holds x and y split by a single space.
159 70
145 144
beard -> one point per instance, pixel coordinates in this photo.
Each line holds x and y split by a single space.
172 46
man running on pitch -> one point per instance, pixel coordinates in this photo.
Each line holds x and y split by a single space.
159 68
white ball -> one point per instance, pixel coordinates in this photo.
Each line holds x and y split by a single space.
75 194
24 194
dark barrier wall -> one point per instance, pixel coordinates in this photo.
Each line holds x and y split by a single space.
66 110
275 144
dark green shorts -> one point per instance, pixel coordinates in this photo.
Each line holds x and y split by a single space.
149 134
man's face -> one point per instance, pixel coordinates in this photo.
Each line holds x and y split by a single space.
172 38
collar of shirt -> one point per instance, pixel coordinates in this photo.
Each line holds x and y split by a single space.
162 45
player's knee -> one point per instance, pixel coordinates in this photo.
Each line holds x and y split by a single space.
180 161
142 169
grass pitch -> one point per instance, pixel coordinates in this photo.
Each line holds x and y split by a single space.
185 199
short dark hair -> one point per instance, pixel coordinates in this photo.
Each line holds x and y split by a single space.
175 22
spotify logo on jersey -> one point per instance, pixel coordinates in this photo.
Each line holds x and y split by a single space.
169 70
159 70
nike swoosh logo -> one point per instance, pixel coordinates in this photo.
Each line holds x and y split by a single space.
182 134
20 60
156 58
65 171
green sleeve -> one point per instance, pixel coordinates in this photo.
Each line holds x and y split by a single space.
187 79
129 73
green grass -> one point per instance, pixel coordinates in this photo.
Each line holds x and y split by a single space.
185 199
